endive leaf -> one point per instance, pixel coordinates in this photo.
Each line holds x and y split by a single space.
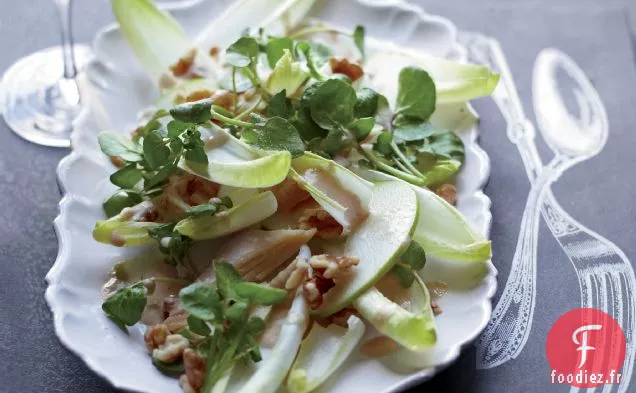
253 211
269 376
155 36
266 171
275 16
343 194
454 82
414 329
321 354
120 231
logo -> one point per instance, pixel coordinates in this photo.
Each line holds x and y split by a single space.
585 348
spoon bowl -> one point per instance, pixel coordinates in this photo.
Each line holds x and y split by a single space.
573 137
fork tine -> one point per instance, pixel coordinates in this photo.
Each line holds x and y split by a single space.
628 283
615 307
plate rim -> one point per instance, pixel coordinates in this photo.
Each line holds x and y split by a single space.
64 236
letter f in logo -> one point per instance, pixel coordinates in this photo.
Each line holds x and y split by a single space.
584 348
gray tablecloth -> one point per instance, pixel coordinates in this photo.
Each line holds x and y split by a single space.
598 192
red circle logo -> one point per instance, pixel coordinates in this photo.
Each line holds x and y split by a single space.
585 348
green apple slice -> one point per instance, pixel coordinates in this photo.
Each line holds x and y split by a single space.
255 210
378 242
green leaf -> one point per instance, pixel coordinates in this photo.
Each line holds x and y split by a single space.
196 154
198 326
119 200
260 294
277 134
156 152
404 275
358 39
332 104
366 103
237 312
362 127
280 105
193 112
275 49
117 145
416 93
255 325
202 209
305 48
439 156
170 369
334 142
226 279
201 301
127 176
414 256
383 143
177 127
408 129
243 52
127 304
287 75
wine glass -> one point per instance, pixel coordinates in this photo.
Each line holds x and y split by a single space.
39 95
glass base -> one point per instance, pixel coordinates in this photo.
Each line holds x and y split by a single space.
37 103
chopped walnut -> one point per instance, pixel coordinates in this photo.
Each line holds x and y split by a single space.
298 275
329 266
194 376
177 320
327 227
343 66
289 195
214 51
198 95
117 161
448 192
185 386
172 348
324 272
155 336
183 66
223 98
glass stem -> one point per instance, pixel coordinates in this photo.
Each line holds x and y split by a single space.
64 14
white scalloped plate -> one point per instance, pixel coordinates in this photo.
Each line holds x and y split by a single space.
114 89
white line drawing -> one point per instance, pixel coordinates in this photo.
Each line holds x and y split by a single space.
605 275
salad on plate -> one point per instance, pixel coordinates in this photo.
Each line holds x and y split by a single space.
283 192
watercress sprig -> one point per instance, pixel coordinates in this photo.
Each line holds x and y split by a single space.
221 315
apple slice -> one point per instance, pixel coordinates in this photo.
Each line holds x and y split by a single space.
378 242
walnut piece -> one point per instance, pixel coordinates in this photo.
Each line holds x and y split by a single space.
183 66
342 66
324 271
448 192
156 336
194 376
327 227
172 349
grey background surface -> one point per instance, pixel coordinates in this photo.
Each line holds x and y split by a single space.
599 192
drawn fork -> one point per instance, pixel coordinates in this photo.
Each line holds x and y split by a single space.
605 275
